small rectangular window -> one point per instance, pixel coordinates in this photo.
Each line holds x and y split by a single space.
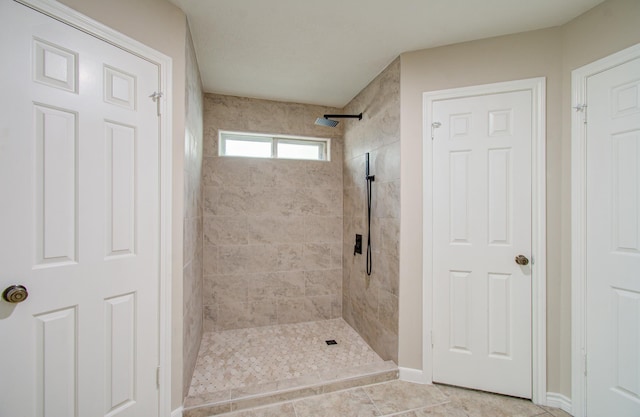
238 145
301 149
273 146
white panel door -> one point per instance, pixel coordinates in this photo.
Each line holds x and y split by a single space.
613 242
79 180
481 222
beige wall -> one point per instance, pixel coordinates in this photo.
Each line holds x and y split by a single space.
272 227
551 53
162 26
192 283
370 303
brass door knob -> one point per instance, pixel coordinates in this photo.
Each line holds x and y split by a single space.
522 260
15 294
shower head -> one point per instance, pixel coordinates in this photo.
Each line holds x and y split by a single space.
323 121
326 119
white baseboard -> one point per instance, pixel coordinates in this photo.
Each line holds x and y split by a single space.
177 412
559 401
413 375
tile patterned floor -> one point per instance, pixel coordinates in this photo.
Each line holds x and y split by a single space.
404 399
244 359
247 357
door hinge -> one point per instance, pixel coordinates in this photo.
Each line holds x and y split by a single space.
582 108
156 96
584 357
158 377
434 126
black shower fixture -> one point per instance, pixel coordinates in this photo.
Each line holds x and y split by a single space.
358 247
326 119
370 179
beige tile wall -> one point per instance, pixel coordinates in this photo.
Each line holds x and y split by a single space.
272 228
370 303
192 238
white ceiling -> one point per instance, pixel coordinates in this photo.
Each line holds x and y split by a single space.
326 51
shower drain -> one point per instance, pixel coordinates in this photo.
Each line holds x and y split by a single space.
331 342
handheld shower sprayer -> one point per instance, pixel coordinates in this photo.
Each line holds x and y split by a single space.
370 179
367 176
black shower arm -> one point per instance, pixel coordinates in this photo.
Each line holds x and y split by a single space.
343 116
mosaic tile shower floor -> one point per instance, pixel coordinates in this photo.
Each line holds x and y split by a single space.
247 357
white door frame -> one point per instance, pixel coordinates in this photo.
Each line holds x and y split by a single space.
85 24
538 224
579 79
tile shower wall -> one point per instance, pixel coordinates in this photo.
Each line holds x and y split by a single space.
192 243
370 303
272 228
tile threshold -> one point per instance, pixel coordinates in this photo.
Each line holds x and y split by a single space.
286 390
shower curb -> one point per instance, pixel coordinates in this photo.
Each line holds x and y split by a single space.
351 378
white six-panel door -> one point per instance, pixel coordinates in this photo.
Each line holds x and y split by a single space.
79 180
613 242
481 222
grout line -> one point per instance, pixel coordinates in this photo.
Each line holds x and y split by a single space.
416 409
441 392
372 402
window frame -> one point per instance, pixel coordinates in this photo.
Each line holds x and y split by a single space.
324 144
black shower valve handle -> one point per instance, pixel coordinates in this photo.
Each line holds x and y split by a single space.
357 248
371 177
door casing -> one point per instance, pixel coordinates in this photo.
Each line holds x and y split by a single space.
85 24
579 79
538 233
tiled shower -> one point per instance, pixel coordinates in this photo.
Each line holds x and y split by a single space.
272 228
278 236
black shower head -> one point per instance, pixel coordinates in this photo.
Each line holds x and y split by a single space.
326 119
